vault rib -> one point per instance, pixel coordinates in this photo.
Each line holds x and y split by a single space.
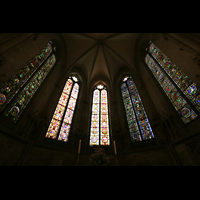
95 57
81 56
124 60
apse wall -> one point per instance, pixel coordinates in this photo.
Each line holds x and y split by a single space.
24 143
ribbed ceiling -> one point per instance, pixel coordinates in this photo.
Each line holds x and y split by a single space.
100 54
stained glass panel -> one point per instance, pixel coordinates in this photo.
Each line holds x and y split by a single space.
58 114
130 114
99 131
105 140
72 103
141 116
64 133
183 82
27 93
10 88
179 103
94 129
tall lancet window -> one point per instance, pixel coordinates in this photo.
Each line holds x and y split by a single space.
99 130
16 93
61 121
181 80
175 83
138 122
11 87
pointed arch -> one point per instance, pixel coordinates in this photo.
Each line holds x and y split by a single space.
99 127
10 88
61 121
174 82
139 126
14 110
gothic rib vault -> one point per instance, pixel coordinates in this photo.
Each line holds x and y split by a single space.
100 54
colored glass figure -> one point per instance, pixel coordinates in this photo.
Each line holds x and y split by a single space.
61 123
99 130
29 90
181 80
10 88
179 103
136 115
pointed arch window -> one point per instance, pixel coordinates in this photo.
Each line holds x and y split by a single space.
11 87
61 121
172 79
139 126
99 129
22 86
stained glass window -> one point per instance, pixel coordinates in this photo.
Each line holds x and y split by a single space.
62 119
104 132
138 123
94 130
179 102
178 77
99 130
14 111
10 88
